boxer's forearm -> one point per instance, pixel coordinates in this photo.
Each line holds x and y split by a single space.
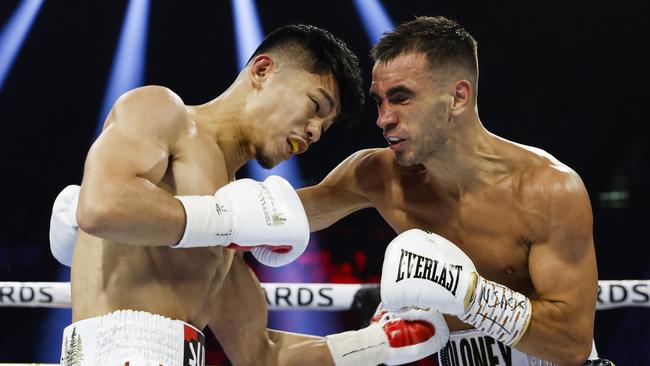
298 349
132 211
558 333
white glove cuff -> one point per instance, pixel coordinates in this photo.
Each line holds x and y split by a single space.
367 346
72 212
208 221
500 312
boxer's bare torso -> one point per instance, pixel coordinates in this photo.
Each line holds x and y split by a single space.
521 216
177 283
495 222
153 147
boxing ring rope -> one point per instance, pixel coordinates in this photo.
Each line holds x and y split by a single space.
303 296
308 296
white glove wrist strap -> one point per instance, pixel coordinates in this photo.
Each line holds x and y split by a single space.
72 212
367 346
498 311
208 221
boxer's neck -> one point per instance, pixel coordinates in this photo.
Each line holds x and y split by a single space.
224 119
471 159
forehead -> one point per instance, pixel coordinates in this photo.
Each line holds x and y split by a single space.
404 69
317 83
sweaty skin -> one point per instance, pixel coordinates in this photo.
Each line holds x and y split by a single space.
523 217
154 147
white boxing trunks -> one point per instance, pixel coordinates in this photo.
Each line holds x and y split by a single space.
132 338
473 348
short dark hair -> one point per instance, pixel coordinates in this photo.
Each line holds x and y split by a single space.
325 54
442 40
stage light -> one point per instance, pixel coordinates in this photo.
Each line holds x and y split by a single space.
375 19
14 33
127 71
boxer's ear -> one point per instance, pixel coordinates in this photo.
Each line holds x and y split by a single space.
462 94
260 67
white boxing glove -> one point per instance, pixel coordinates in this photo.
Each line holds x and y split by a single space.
265 217
425 270
63 224
391 338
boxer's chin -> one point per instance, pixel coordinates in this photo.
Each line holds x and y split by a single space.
265 159
406 158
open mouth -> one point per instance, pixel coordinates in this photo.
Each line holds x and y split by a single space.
294 146
394 140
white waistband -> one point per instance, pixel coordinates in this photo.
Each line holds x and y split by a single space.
472 347
127 335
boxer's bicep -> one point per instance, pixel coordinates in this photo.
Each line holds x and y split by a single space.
338 195
563 269
564 274
326 204
125 164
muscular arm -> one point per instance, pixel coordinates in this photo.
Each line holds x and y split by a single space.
120 200
239 320
338 195
564 275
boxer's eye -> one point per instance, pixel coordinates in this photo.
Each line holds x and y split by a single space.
316 105
398 98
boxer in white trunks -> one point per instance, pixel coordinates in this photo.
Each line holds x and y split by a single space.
155 260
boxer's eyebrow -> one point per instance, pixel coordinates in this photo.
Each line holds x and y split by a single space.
399 89
391 92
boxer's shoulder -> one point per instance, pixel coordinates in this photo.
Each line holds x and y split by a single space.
357 167
153 105
379 161
376 173
365 157
370 169
152 97
551 193
537 171
550 182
